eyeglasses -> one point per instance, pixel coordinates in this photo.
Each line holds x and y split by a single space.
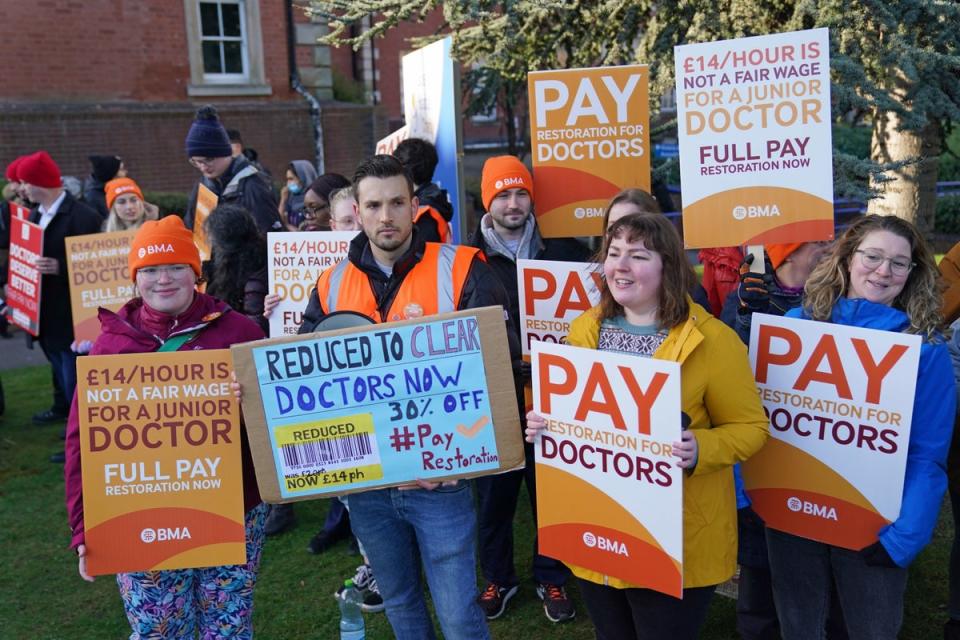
872 261
172 271
202 162
314 210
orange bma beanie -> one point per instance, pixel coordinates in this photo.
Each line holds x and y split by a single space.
164 241
780 252
501 173
118 187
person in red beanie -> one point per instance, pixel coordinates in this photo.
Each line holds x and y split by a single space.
60 215
507 233
171 315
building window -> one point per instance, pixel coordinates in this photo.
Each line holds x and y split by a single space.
225 48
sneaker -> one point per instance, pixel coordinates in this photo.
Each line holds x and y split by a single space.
58 458
49 417
279 519
494 600
322 541
556 604
366 583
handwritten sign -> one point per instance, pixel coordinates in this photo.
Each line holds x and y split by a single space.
99 277
23 281
381 405
552 295
609 494
753 116
590 138
840 401
160 452
296 261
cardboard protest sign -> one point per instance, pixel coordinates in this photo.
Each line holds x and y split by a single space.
609 493
99 277
206 203
590 138
23 280
840 400
354 409
160 450
296 261
756 158
552 295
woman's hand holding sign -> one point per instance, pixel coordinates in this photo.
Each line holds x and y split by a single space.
536 423
82 562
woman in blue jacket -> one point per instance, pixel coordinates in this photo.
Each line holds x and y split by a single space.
880 275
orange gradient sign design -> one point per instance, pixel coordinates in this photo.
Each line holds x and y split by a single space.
206 202
99 277
609 496
840 400
160 451
590 138
756 157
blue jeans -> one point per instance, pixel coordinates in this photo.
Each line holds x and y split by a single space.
401 528
871 597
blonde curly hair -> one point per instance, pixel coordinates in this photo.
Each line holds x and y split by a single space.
921 297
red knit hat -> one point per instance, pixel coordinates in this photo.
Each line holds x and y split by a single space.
780 252
119 187
501 173
164 241
11 173
39 169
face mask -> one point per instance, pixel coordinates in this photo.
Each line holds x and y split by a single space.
293 188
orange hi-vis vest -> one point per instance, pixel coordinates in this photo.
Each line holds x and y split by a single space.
442 227
432 286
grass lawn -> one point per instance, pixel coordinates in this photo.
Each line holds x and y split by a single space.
44 598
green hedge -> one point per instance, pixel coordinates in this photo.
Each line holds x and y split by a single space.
168 202
948 215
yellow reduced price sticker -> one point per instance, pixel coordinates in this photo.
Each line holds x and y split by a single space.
346 443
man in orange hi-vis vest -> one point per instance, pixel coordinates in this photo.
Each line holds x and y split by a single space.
390 273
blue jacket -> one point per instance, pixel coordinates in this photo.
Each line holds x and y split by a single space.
931 426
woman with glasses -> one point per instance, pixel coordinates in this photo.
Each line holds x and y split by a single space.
316 201
880 275
169 314
300 173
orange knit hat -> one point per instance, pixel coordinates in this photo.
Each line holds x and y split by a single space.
780 252
119 187
501 173
164 241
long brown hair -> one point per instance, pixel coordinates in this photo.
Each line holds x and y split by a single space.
677 279
920 299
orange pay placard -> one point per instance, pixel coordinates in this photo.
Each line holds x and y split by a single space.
840 400
756 157
590 138
552 295
206 203
609 494
99 277
160 453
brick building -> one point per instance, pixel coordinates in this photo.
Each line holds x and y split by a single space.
125 78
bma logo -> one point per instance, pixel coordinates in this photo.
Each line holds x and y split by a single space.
506 183
812 509
588 212
154 248
605 544
164 534
741 212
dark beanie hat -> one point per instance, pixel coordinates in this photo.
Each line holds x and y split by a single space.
104 167
39 170
324 185
207 138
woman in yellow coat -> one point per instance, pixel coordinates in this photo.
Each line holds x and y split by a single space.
645 309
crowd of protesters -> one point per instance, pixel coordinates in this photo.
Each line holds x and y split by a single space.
879 274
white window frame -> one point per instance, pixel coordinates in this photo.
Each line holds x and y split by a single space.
253 80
